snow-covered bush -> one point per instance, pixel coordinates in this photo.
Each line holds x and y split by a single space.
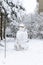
34 24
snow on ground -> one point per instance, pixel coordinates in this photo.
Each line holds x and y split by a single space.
32 56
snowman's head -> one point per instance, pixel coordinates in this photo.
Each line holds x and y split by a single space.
21 26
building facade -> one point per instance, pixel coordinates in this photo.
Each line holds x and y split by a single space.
40 5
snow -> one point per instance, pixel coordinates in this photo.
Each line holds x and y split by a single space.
32 56
7 8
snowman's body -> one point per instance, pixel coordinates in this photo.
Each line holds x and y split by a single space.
22 39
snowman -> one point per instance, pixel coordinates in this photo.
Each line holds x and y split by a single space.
22 41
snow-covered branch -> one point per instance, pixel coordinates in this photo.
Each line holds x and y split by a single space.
11 10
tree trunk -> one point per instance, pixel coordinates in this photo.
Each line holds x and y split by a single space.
1 25
4 27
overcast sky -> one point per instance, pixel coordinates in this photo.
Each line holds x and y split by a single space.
29 5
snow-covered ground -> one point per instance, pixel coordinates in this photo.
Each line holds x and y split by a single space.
32 56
